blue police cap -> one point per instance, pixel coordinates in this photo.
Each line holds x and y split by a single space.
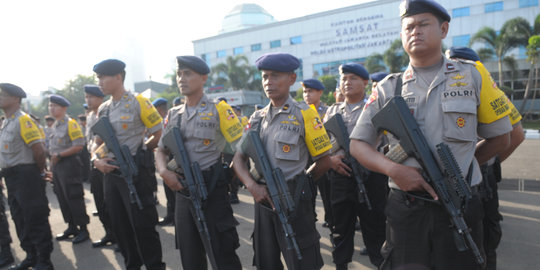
60 100
93 90
13 90
313 83
159 102
464 53
176 101
259 106
412 7
194 63
222 99
109 67
355 69
282 62
378 76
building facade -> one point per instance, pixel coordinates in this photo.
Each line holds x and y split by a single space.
323 41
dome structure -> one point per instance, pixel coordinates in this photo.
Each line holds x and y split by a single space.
244 16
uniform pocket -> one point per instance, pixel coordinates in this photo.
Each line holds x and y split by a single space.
207 140
459 120
287 146
8 144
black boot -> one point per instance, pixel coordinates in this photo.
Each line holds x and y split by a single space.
44 263
28 262
81 236
70 231
6 257
108 238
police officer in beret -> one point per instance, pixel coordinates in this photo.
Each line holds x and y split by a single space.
94 98
49 121
291 133
22 159
161 106
445 97
130 116
206 127
177 101
491 170
65 144
343 187
376 78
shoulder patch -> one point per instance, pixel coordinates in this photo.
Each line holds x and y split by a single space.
229 124
74 130
316 138
29 130
149 115
493 102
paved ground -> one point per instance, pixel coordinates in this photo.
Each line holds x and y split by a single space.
519 248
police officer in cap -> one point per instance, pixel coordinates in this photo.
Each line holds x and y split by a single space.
444 96
206 127
161 107
22 159
291 132
130 116
65 144
491 170
376 78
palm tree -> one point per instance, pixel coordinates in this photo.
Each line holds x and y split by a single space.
374 63
395 57
513 33
533 55
235 73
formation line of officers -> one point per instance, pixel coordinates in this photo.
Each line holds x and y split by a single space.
452 98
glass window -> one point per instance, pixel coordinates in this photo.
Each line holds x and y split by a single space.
221 54
256 47
238 50
528 3
461 12
300 71
459 41
296 40
275 43
494 7
206 58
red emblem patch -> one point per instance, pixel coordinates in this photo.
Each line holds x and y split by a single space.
450 66
460 122
372 98
286 148
317 124
124 126
206 142
28 124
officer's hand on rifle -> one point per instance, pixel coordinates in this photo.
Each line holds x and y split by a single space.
171 180
339 166
260 193
103 165
409 179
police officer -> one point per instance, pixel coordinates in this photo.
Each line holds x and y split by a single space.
376 78
343 187
130 115
23 167
49 121
444 97
65 143
94 98
491 171
206 127
161 106
290 132
313 89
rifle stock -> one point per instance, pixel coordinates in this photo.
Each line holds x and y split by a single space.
452 190
122 154
194 182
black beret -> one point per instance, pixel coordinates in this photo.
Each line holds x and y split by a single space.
109 67
412 7
60 100
82 117
176 101
159 102
313 83
464 53
194 63
355 69
282 62
259 106
13 90
93 90
378 76
49 118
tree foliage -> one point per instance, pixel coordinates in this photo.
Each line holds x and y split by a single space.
375 63
395 57
236 74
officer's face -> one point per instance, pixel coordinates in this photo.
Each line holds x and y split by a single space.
312 96
7 100
108 84
56 110
189 81
276 84
422 34
92 101
352 85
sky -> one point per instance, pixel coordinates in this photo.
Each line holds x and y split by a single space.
46 43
